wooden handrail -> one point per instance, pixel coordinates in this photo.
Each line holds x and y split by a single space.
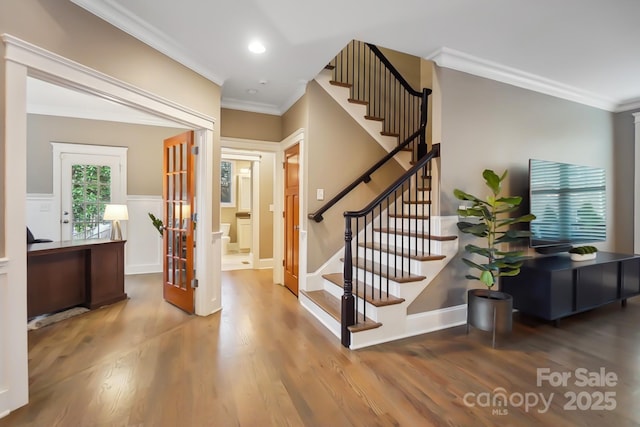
394 71
365 177
435 152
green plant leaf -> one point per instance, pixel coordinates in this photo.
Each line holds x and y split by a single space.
509 273
474 265
461 195
492 180
512 200
487 278
479 230
485 252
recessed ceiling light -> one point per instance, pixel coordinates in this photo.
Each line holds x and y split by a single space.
257 47
252 91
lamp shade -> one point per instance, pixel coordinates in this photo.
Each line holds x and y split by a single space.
115 213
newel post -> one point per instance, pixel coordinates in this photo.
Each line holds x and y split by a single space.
348 317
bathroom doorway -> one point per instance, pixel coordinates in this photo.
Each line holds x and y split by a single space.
240 209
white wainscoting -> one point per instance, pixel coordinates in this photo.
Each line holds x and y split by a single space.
143 251
42 219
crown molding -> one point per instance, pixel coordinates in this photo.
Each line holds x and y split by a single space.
631 104
114 14
252 107
453 59
263 108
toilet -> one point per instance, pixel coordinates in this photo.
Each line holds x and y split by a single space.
225 227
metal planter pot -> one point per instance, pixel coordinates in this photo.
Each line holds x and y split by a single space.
489 311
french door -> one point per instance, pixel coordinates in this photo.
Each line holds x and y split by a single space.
88 183
178 234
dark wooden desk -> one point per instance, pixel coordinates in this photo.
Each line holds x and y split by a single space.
66 274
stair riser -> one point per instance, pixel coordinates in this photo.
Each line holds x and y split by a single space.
414 209
408 242
405 224
337 291
374 280
403 263
412 194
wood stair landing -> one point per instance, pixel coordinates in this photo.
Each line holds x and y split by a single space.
332 306
365 291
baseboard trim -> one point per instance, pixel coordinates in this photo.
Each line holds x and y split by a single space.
143 269
436 320
4 403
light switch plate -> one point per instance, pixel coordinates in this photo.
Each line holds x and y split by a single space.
320 194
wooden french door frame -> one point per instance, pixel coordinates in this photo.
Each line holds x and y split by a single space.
178 237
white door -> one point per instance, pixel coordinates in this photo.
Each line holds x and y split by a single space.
88 183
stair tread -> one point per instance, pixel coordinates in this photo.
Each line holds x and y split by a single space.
381 301
341 84
384 133
332 306
407 216
380 270
418 256
358 101
414 234
417 202
377 119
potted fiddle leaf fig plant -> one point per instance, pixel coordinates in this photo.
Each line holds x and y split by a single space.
489 218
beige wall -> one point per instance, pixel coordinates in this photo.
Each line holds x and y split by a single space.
339 151
487 124
407 65
144 154
247 125
296 117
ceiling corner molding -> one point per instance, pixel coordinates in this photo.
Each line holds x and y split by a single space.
251 107
132 25
460 61
297 94
630 104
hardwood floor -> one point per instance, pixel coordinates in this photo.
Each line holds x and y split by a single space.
264 361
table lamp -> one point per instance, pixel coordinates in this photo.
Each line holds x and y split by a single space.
115 214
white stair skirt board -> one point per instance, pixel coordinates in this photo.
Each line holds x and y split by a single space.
325 318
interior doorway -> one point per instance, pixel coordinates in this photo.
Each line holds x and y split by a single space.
23 60
240 209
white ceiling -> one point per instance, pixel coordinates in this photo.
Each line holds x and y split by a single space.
583 50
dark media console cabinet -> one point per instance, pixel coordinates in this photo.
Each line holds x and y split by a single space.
553 287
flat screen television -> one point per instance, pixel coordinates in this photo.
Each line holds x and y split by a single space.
569 202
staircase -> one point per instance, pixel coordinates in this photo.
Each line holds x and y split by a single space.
394 247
